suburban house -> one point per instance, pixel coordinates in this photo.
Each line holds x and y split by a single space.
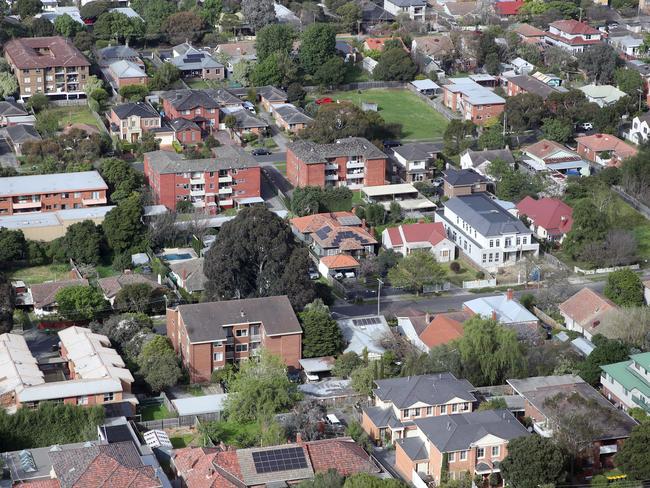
604 149
12 113
186 131
236 52
432 237
110 54
638 133
527 84
49 65
548 398
548 78
460 10
458 183
416 161
480 161
128 121
550 218
507 9
195 105
112 285
18 135
196 63
189 275
630 46
230 178
572 35
473 101
209 335
399 402
338 265
627 383
245 123
404 194
354 162
425 331
507 311
287 464
270 96
546 155
365 335
473 442
290 118
428 52
47 193
485 232
520 65
89 373
329 234
584 311
416 9
530 34
602 95
124 73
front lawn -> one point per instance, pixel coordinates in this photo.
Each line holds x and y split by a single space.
35 275
418 119
197 84
467 272
180 441
156 412
74 114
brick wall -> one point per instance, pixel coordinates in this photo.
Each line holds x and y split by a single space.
375 172
288 347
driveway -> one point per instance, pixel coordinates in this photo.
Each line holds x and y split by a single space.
7 157
278 137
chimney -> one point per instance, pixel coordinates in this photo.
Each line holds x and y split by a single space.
298 438
494 315
427 318
510 294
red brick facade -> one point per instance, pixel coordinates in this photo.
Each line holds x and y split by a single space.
204 118
300 173
188 136
478 114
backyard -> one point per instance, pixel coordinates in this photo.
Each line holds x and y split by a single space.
74 114
419 120
35 275
155 412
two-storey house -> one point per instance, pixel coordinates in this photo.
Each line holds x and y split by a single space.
416 161
572 35
550 218
639 131
461 182
485 232
398 402
49 65
128 121
196 63
472 100
354 162
46 193
627 383
194 105
480 161
546 155
207 336
415 9
230 178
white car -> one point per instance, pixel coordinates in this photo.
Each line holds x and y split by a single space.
586 126
249 106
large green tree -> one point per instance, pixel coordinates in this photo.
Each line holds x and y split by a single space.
123 225
158 364
274 38
629 81
321 334
524 111
633 459
80 302
122 179
365 480
416 271
260 388
184 26
258 13
318 44
624 287
331 73
395 64
140 298
533 461
600 62
458 136
492 138
27 8
12 245
83 242
558 130
67 26
589 225
8 84
256 255
607 351
154 13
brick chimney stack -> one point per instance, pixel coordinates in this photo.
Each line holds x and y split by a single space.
510 294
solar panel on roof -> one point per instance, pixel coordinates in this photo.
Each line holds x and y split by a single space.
366 321
279 460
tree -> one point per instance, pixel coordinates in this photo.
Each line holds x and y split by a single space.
386 260
274 38
270 71
630 325
158 364
395 64
260 388
365 480
324 479
123 225
139 298
524 111
362 379
42 27
38 102
492 64
350 14
497 403
255 255
258 13
28 8
241 72
534 461
589 225
607 351
629 81
8 85
514 185
305 420
164 77
183 26
7 304
83 243
633 458
417 270
492 138
210 11
80 302
624 287
331 73
122 179
600 62
128 332
345 364
12 245
318 44
457 136
321 333
67 26
134 93
92 10
154 13
559 130
296 93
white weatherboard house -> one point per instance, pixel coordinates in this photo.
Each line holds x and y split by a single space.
640 129
485 232
416 9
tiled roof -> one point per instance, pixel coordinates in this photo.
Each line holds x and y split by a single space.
23 52
310 152
433 45
19 134
527 30
113 284
189 99
237 48
180 124
271 93
139 109
432 389
44 293
444 328
480 157
571 26
311 223
458 9
550 213
418 150
532 85
191 272
546 149
225 157
292 115
607 142
343 237
587 307
339 261
508 7
575 41
462 177
11 108
378 43
432 232
344 455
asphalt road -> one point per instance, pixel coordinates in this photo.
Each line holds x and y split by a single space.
277 157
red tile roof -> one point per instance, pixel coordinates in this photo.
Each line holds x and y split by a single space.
339 261
508 7
444 328
48 483
432 232
24 52
527 30
196 467
607 142
587 308
311 223
550 213
378 43
107 472
573 27
344 455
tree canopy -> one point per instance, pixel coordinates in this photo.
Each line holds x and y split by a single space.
534 461
80 302
123 225
633 458
416 271
624 287
83 242
274 38
158 364
321 333
395 64
318 44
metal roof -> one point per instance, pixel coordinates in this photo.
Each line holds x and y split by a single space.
200 405
486 216
51 183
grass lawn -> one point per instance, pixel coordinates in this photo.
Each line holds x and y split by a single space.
281 167
233 433
181 441
74 114
419 120
155 412
40 274
466 273
357 197
197 84
106 271
630 219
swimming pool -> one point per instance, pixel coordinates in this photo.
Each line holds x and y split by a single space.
177 257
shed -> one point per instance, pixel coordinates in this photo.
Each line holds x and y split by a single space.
200 406
157 438
426 87
313 366
139 259
369 107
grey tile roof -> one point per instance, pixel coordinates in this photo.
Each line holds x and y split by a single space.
223 97
246 120
382 417
139 109
532 85
414 448
225 157
271 93
126 69
183 124
11 108
19 134
485 215
434 389
195 59
112 53
457 432
463 177
418 150
191 272
204 321
409 3
54 183
292 115
480 157
190 99
311 152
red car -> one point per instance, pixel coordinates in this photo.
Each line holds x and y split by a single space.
324 101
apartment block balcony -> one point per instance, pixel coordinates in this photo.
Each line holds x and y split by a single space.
334 177
197 192
197 179
225 179
93 201
355 164
225 191
226 203
24 204
352 176
331 167
198 204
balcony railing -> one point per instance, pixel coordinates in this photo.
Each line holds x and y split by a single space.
27 204
199 192
331 166
225 191
225 179
641 403
94 201
355 164
351 176
332 177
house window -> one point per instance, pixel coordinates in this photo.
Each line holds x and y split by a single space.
405 413
464 407
483 259
480 452
82 400
491 243
108 397
217 357
463 455
508 242
498 242
443 409
454 408
496 450
241 347
452 457
524 240
429 411
95 195
415 412
241 332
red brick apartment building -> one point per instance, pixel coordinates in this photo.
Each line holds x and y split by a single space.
49 65
194 105
209 335
353 162
49 193
230 178
473 101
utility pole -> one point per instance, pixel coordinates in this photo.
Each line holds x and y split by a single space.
379 283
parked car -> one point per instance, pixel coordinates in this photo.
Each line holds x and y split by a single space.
313 275
437 181
389 143
586 126
261 152
250 107
324 101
